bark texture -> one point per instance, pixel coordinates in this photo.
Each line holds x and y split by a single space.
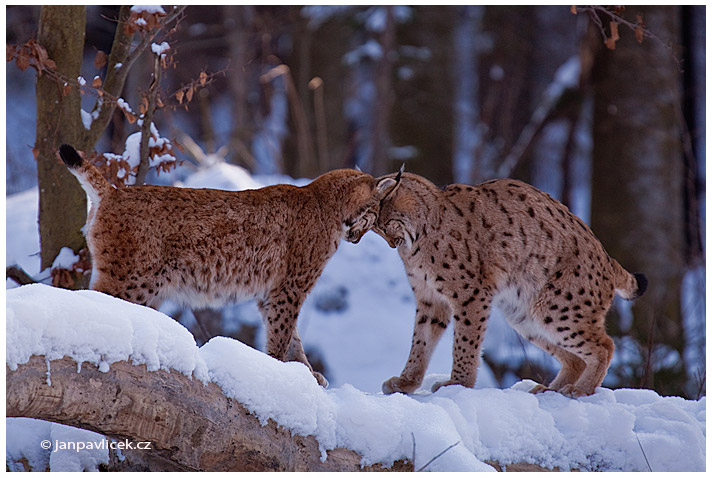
62 208
191 426
637 206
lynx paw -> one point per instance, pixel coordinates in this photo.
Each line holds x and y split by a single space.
398 385
572 391
320 379
539 388
437 385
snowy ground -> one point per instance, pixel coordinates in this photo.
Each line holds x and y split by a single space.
359 318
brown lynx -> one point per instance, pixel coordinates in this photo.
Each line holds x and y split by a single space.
204 247
502 243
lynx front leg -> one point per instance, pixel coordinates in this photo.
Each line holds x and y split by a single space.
431 320
470 324
296 354
279 314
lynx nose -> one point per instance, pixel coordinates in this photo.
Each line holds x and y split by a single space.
354 237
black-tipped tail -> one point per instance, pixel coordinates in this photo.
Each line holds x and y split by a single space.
642 283
70 156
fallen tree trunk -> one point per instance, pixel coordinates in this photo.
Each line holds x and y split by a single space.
190 426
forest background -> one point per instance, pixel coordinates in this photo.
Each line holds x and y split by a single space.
602 108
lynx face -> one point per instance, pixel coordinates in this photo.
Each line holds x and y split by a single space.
505 244
366 217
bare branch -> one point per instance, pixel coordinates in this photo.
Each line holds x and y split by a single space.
19 275
147 119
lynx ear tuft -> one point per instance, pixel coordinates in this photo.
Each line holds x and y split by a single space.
70 156
400 173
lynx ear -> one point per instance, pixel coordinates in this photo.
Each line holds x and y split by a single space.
386 186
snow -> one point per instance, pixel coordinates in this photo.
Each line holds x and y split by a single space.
92 327
147 9
160 49
222 175
610 430
122 104
65 259
38 442
371 50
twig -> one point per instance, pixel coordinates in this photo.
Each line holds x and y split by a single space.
317 86
438 455
305 147
702 379
147 118
644 455
552 98
19 275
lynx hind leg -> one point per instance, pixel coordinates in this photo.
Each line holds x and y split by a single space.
597 355
127 288
571 366
576 337
431 319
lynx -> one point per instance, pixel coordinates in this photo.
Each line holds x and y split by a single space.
506 244
204 247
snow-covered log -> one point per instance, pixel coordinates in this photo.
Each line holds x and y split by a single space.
189 425
128 372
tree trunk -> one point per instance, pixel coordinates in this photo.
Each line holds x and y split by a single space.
240 41
63 207
380 134
637 188
423 110
189 425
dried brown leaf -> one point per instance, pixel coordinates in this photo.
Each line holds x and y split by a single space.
100 60
67 89
130 116
96 82
639 25
203 78
179 96
614 31
189 94
10 51
573 9
143 106
23 60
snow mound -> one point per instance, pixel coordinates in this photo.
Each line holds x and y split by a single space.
621 430
222 175
33 442
92 327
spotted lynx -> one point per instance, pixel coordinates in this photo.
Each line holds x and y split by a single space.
502 243
204 247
